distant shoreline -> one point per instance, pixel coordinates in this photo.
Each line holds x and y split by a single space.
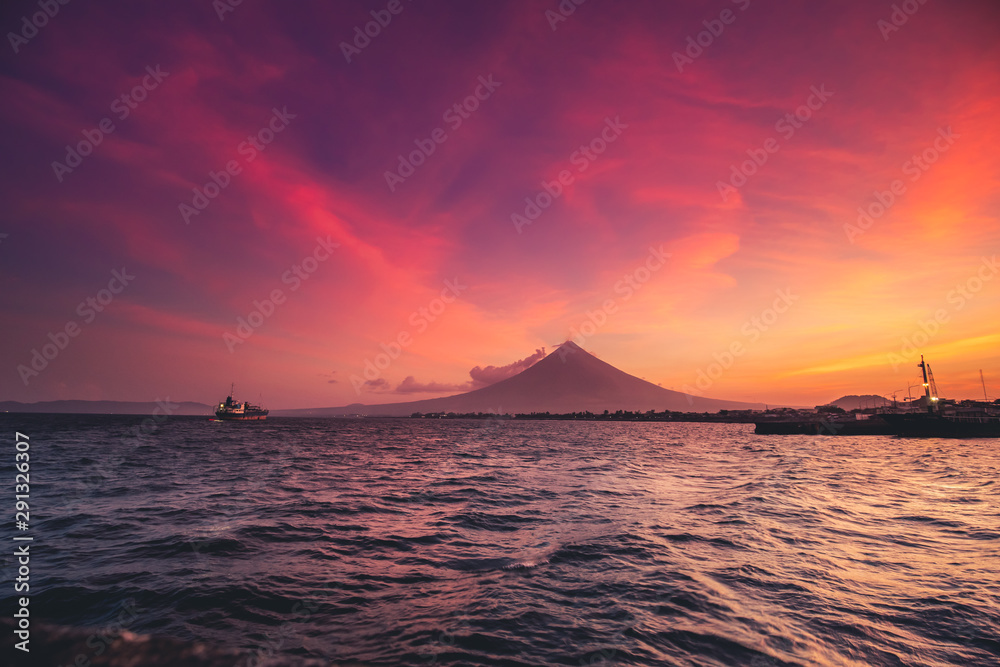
732 417
723 416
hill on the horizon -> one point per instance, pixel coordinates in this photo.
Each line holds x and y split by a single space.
856 402
569 379
107 407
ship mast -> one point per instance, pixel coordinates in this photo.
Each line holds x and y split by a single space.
927 387
985 397
929 398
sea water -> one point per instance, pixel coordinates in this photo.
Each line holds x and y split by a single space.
464 542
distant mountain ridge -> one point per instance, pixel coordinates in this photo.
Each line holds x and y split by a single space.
856 402
109 407
569 379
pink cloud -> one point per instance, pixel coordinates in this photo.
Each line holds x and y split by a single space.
483 377
410 386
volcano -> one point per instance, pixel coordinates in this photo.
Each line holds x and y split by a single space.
570 379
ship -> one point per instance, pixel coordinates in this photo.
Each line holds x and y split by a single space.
938 418
235 411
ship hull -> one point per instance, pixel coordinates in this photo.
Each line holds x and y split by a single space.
908 426
240 418
873 426
935 426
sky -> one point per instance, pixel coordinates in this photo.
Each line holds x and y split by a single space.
338 202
